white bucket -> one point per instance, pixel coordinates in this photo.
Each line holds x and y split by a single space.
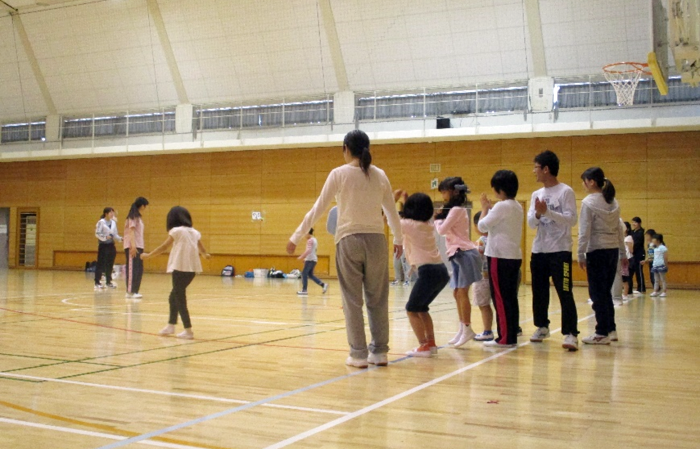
260 272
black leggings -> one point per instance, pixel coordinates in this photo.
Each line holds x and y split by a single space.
134 271
601 266
178 298
106 253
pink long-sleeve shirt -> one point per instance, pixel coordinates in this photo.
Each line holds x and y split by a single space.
419 243
455 229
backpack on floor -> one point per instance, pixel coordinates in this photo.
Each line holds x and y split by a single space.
249 274
228 271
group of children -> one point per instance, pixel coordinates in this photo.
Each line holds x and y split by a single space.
656 259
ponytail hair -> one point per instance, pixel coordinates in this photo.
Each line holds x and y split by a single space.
134 210
357 143
597 175
106 211
659 237
458 194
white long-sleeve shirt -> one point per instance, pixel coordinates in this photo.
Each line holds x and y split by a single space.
360 203
504 223
106 231
554 227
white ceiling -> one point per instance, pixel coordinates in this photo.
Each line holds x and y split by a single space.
107 56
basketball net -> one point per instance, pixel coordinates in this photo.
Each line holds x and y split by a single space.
624 77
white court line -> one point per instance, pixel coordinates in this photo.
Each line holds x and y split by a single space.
93 434
167 393
399 396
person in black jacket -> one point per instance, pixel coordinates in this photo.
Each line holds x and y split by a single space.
638 253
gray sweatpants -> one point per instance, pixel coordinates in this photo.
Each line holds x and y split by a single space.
363 263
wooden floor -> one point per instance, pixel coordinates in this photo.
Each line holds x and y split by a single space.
80 369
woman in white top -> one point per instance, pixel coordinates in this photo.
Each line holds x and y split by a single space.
600 244
106 232
504 223
362 192
183 263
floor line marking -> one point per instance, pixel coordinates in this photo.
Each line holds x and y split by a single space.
92 433
401 395
164 393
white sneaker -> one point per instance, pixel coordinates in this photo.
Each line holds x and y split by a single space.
394 282
357 363
540 334
617 301
136 295
377 359
128 296
655 294
467 334
496 344
302 293
187 334
420 351
636 292
484 336
590 301
167 330
596 339
663 295
98 287
407 284
457 336
112 285
612 336
325 288
570 343
625 298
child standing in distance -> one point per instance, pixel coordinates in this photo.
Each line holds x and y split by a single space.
362 191
660 265
310 260
600 244
649 245
626 275
183 263
504 223
422 253
452 222
482 290
133 247
106 232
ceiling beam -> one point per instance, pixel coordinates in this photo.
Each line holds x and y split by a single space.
534 25
341 73
168 51
33 63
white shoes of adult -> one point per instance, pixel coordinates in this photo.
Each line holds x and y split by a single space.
377 359
467 334
167 330
187 334
570 343
356 363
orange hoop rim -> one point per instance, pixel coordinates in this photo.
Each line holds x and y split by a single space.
641 67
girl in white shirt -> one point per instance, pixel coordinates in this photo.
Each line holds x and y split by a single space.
504 223
183 263
362 192
422 253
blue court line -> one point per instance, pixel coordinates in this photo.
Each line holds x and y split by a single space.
159 432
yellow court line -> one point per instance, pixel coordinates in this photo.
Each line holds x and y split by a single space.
124 433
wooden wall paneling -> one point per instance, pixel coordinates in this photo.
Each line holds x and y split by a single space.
328 158
166 165
196 164
237 189
674 179
277 244
48 244
631 208
518 152
201 218
81 219
454 157
296 160
131 167
51 220
123 191
81 193
46 170
246 244
284 218
14 171
80 241
412 157
46 193
674 146
233 219
297 188
665 216
88 168
14 193
232 163
195 190
599 150
163 190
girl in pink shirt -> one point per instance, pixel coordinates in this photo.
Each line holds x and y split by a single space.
453 223
422 253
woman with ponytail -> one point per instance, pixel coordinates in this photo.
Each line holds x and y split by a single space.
600 244
361 191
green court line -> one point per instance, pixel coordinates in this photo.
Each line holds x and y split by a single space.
34 357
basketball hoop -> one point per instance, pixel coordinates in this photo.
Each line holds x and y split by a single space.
624 77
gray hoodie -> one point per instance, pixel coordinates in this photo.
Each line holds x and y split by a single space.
599 226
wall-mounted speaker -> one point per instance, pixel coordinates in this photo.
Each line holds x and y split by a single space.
443 123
